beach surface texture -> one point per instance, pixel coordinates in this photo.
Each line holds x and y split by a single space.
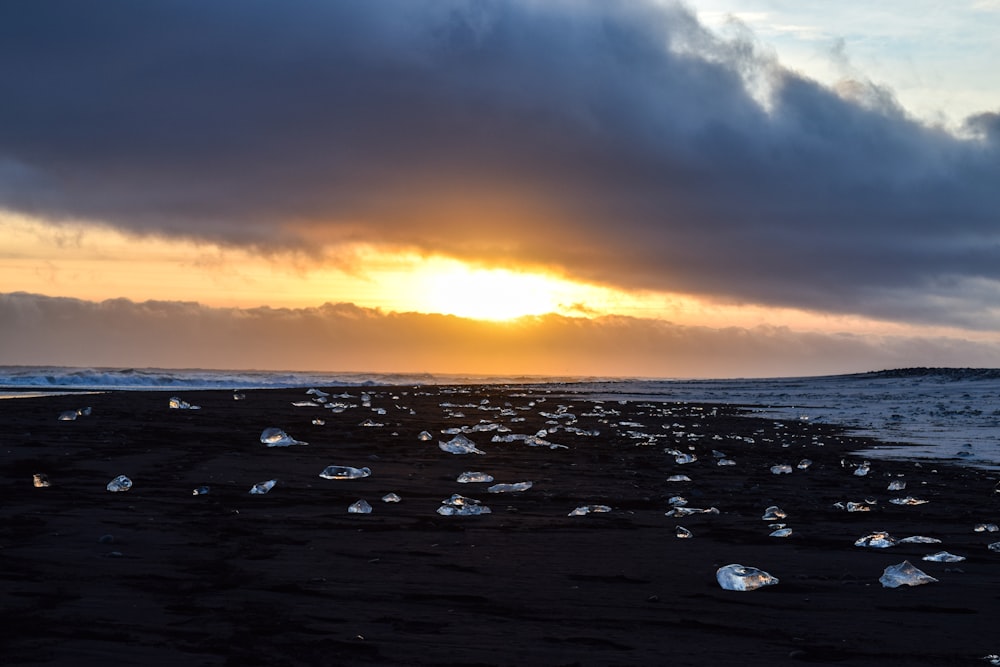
608 557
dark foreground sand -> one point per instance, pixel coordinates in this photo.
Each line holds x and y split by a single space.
157 576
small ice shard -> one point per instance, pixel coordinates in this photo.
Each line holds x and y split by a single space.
318 393
985 528
370 423
852 506
804 464
919 539
944 557
508 488
179 404
119 483
678 478
360 507
773 513
736 577
725 462
995 547
275 437
677 501
781 532
877 540
863 469
200 491
318 422
425 436
683 533
783 469
908 500
68 415
344 472
684 458
40 480
263 487
896 485
992 658
239 396
904 574
473 476
84 412
460 445
688 511
592 509
304 404
459 505
391 498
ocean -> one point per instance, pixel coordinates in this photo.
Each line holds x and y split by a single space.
940 414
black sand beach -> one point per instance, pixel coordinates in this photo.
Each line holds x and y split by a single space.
159 576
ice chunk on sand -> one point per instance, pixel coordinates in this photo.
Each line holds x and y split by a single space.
460 445
877 540
589 509
119 483
263 487
178 404
360 507
344 472
904 574
736 577
473 476
275 437
507 488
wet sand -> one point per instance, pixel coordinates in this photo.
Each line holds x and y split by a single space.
159 576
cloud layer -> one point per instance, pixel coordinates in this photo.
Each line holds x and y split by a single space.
41 330
617 141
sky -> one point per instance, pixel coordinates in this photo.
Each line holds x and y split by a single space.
720 188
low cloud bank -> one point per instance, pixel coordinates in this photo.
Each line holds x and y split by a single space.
41 330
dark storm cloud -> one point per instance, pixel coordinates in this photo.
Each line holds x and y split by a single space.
343 337
618 141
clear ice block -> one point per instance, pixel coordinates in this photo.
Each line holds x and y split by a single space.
119 483
263 487
736 577
360 507
473 476
275 437
345 472
904 574
508 488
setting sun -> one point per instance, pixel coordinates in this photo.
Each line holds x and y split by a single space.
485 294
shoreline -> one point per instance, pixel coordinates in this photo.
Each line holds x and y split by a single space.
291 577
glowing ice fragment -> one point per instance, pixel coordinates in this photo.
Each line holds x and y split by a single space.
68 415
783 469
473 476
263 487
986 528
863 469
725 462
344 472
683 533
119 483
896 485
878 540
944 557
391 498
459 505
178 404
904 574
275 437
773 513
589 509
995 547
40 480
425 436
360 507
678 478
908 500
460 445
804 464
200 491
688 511
781 532
919 539
508 488
736 577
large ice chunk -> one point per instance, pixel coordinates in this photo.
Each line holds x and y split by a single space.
345 472
736 577
275 437
904 574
